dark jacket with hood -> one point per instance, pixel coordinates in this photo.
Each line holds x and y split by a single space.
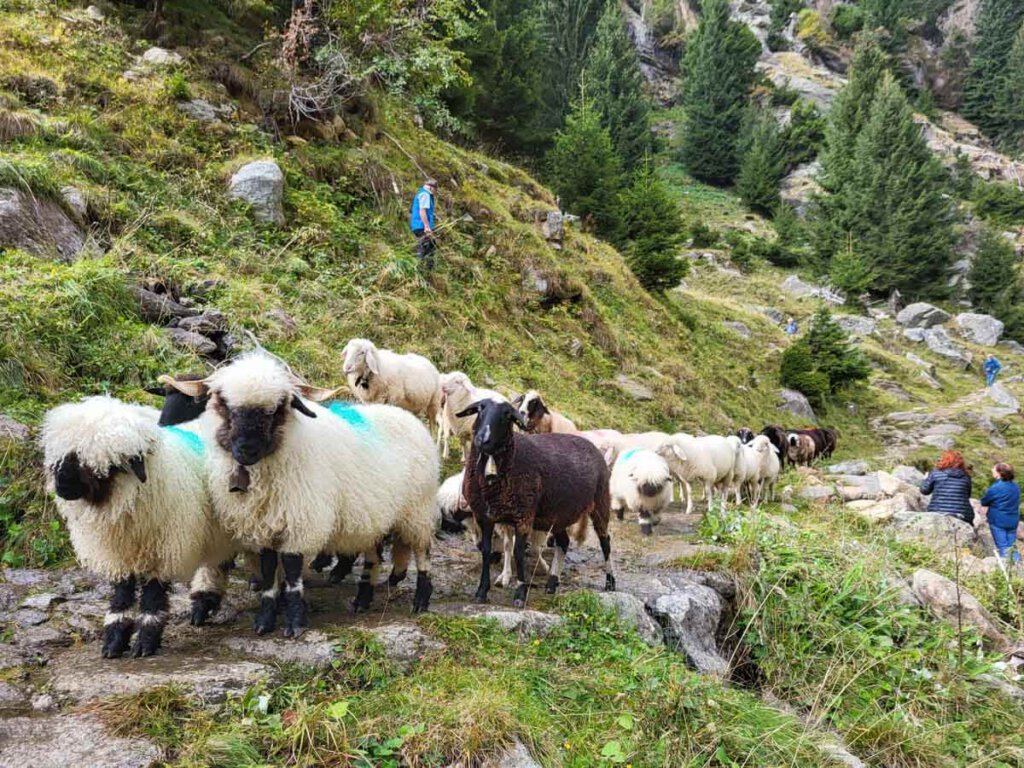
950 491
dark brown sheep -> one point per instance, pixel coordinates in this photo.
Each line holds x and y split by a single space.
549 482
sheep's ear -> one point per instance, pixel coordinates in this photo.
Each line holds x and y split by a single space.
158 391
137 464
517 401
609 455
301 407
473 409
195 389
679 452
317 394
370 356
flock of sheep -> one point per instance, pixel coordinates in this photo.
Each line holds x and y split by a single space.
248 461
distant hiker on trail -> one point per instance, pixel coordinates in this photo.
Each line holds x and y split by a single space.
1001 503
791 328
421 222
992 369
949 485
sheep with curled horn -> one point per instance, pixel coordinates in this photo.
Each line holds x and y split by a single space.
546 482
322 479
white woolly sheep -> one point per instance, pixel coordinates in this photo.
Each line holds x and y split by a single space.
708 460
746 471
768 469
642 483
606 441
457 394
381 376
135 501
539 418
334 479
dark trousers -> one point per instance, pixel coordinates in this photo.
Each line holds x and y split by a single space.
425 249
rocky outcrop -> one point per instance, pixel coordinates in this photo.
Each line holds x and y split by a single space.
794 286
857 325
261 185
737 327
939 342
38 225
632 612
921 315
795 403
659 65
799 186
943 533
955 604
980 329
690 618
1002 397
81 739
204 111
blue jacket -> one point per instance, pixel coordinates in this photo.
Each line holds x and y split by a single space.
415 220
950 490
991 364
1003 501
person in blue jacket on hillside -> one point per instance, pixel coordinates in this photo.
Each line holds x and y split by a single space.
992 369
421 222
949 485
1002 508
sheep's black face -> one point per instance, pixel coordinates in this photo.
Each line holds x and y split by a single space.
492 432
534 412
251 434
179 408
745 435
73 480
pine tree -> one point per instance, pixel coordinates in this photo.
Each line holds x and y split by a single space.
1010 103
570 26
615 84
833 356
586 173
993 276
997 25
718 74
763 164
797 371
851 273
654 229
899 217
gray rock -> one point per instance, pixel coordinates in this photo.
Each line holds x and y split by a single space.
41 637
30 617
908 417
312 648
921 315
43 702
38 225
690 618
950 603
553 226
535 280
942 533
94 13
636 390
261 185
209 323
909 475
1014 346
939 342
857 325
204 111
772 314
42 601
283 319
797 188
981 329
921 362
81 675
59 741
523 622
944 430
795 403
159 307
929 379
26 577
738 327
794 286
514 756
816 493
12 430
75 200
405 643
915 335
632 611
161 57
853 467
1002 397
193 342
11 698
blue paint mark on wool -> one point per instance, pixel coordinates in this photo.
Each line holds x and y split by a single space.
350 414
191 439
627 454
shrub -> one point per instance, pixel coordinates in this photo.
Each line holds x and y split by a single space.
703 236
804 136
797 371
998 203
823 362
176 87
847 20
811 30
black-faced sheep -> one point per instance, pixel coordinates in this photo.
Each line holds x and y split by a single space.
539 418
642 483
381 376
334 479
458 393
548 482
779 438
135 500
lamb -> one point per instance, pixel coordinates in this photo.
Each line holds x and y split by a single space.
642 483
334 479
708 460
381 376
745 434
546 482
135 501
457 393
539 418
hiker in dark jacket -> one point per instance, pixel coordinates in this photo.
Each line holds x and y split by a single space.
949 485
1002 508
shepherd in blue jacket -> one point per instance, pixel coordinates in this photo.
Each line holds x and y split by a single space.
1002 505
421 222
992 369
949 485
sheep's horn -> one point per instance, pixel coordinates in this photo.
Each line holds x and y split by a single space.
191 388
318 394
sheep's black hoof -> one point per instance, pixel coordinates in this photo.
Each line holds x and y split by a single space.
296 613
266 616
424 589
451 525
480 596
609 583
519 599
321 562
552 586
255 585
646 529
148 640
342 569
618 514
116 638
397 578
204 605
496 558
364 597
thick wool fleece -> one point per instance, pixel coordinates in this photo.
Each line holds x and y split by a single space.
634 470
408 381
163 528
336 483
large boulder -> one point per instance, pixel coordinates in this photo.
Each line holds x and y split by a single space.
921 315
857 325
939 342
690 617
797 188
261 185
955 604
909 475
38 225
981 329
942 533
852 467
57 741
632 612
160 57
794 286
795 403
1002 397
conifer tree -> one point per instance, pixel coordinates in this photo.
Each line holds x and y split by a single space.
718 74
833 355
763 164
586 173
1010 104
654 230
993 276
569 29
615 84
997 25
